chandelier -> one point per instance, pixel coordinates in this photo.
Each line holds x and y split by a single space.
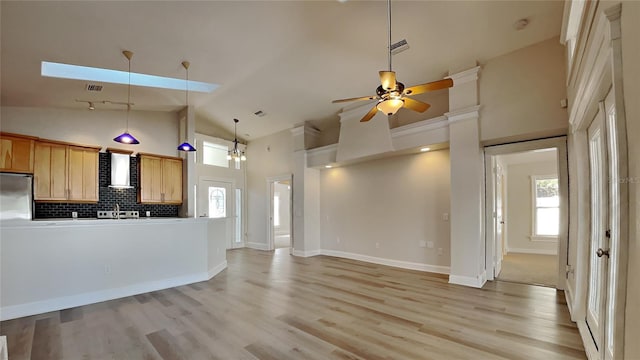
236 154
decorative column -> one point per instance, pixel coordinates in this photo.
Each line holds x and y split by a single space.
306 196
467 179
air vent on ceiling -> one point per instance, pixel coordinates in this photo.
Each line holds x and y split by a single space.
94 87
259 113
399 47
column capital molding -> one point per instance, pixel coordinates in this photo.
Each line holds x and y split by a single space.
465 76
468 113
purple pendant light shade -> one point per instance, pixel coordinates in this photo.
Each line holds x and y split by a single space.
125 137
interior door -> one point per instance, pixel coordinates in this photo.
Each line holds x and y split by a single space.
216 201
598 262
499 220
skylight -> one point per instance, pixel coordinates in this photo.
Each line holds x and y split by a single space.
77 72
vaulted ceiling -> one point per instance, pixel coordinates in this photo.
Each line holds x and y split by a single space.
286 58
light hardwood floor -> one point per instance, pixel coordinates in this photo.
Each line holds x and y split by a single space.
276 306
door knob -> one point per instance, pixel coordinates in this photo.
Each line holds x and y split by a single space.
601 252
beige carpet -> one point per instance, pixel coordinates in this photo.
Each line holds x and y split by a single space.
530 269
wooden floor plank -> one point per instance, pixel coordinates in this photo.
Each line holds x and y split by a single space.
271 305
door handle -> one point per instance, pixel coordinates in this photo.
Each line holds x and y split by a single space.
601 252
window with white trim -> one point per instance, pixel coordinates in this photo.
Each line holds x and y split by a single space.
546 206
214 154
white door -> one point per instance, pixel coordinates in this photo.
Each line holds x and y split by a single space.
604 224
499 220
216 201
596 292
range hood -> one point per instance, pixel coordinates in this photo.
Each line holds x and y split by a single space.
120 166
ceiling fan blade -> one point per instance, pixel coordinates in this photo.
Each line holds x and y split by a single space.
370 114
388 79
415 105
354 99
436 85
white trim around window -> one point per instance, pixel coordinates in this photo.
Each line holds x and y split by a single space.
535 236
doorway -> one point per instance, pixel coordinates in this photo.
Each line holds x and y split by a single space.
527 217
280 213
527 212
220 199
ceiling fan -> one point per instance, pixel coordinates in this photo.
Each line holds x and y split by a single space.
392 95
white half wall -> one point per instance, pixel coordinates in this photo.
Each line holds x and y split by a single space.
384 209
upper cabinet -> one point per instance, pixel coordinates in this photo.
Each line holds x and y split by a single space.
16 153
160 179
64 172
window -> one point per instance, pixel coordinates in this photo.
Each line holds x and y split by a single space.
546 206
217 202
214 154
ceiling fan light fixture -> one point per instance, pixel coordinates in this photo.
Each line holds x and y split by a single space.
390 106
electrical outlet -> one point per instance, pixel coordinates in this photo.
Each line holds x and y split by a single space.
445 216
422 243
430 244
377 245
74 214
338 239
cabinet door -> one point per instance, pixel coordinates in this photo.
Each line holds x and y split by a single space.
150 173
16 154
83 174
50 171
172 181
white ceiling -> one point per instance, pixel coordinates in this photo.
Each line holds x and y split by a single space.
286 58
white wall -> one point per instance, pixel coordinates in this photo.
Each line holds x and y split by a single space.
520 93
394 203
157 131
268 156
631 67
519 211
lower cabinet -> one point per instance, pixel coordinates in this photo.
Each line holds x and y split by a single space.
160 179
65 172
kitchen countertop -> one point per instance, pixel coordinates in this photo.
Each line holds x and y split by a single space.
95 221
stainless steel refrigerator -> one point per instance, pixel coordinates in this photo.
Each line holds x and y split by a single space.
16 196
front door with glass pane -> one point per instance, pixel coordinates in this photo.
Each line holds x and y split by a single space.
216 200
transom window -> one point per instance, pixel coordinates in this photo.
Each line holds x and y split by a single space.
214 154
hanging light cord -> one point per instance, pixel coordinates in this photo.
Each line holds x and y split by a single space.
389 23
128 95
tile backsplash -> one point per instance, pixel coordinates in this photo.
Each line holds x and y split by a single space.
109 197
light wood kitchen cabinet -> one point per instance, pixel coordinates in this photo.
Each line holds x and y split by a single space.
83 174
65 172
16 153
160 179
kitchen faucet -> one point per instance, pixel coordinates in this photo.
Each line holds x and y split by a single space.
116 209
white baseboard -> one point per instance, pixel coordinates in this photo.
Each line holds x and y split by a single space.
388 262
476 282
217 269
65 302
258 246
533 251
310 253
587 340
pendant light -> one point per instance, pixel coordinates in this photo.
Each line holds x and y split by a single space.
185 146
236 154
125 137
